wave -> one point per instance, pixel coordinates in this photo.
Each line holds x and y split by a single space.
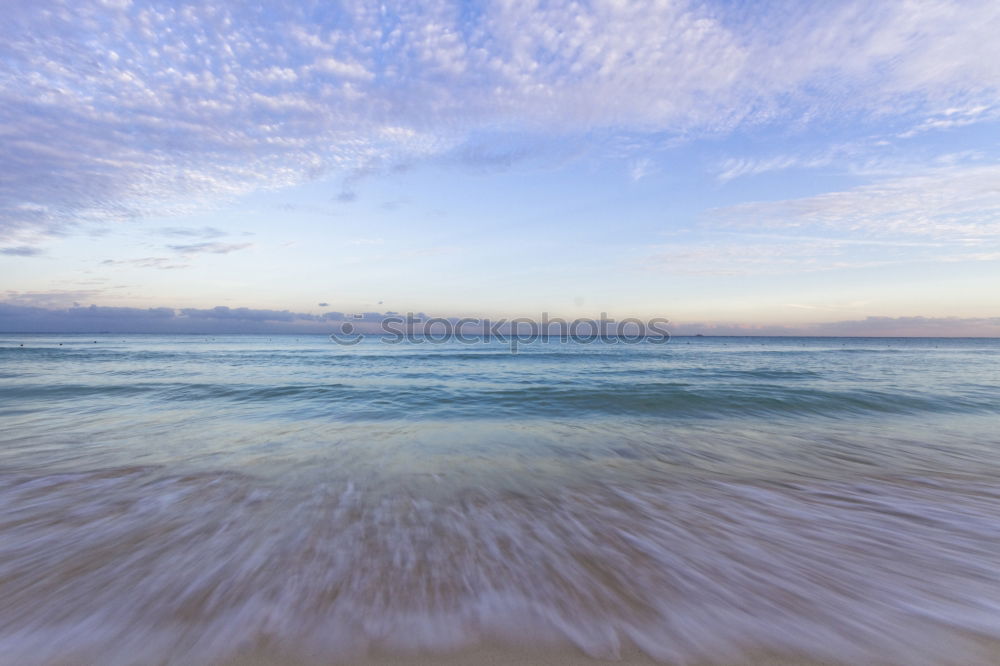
434 398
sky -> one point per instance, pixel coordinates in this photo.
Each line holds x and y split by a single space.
771 167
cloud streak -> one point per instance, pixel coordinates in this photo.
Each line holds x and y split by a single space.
163 263
209 248
192 232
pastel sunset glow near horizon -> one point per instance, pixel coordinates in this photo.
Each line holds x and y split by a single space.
770 168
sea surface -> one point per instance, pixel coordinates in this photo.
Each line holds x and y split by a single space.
181 499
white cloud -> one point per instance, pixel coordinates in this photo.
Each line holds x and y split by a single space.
640 168
115 110
957 204
737 167
349 70
953 117
947 214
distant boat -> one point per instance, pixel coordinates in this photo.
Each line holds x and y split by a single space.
698 335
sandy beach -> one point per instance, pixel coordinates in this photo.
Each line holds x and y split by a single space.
499 656
977 652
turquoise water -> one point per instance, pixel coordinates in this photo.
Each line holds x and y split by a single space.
180 498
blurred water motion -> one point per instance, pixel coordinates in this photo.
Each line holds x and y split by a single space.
167 499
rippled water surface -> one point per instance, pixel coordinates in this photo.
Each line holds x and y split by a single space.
180 499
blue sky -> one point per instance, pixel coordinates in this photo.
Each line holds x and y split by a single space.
731 166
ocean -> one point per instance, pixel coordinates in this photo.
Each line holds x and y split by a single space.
185 499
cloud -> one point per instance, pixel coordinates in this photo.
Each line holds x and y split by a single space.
737 167
945 215
16 318
28 317
184 249
246 314
210 248
50 299
394 204
58 312
916 326
114 111
953 117
347 70
163 263
760 254
954 203
192 232
22 251
640 168
491 156
711 257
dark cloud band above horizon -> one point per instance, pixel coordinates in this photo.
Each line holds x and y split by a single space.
19 318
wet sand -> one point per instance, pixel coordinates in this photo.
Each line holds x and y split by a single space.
978 652
496 656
